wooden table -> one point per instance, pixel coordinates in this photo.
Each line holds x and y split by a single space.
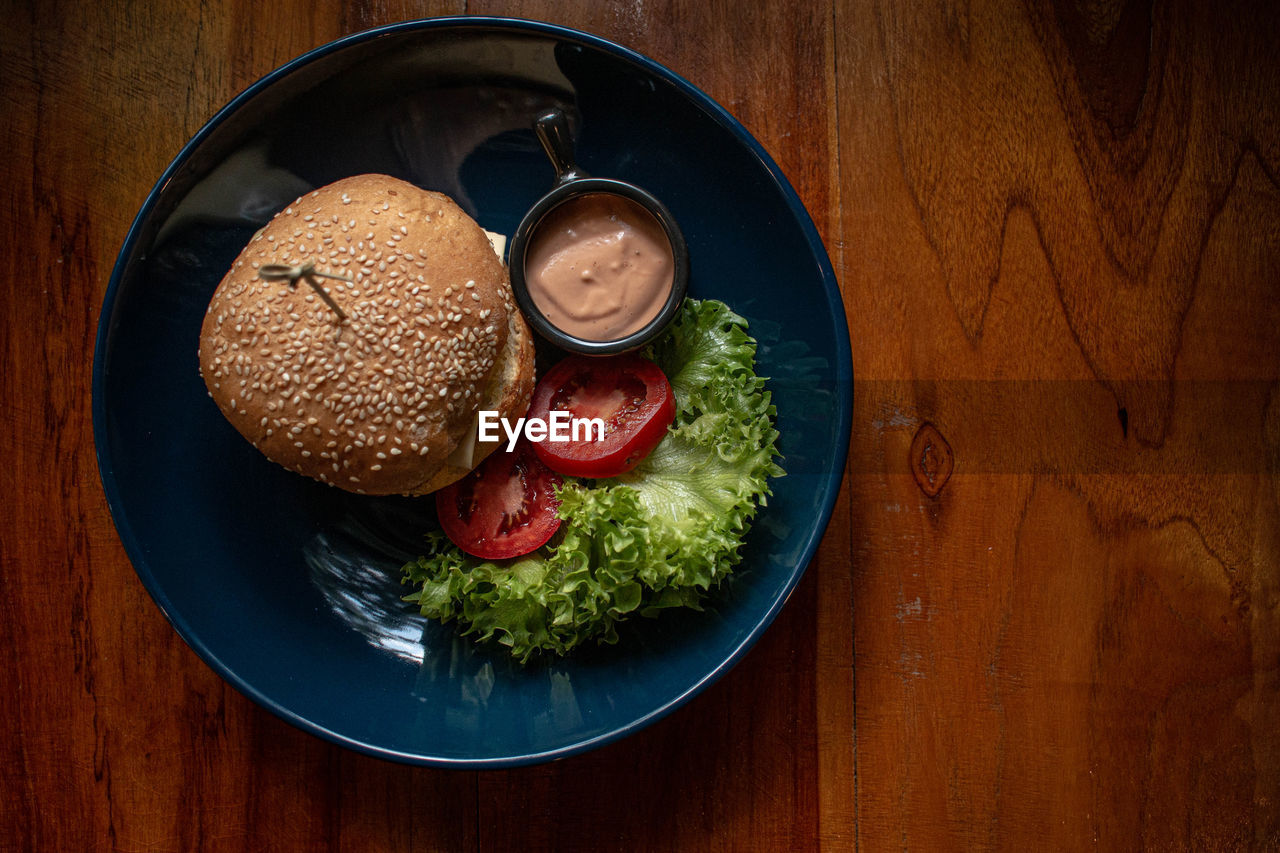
1046 614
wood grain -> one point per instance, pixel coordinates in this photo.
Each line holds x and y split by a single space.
1055 228
1055 651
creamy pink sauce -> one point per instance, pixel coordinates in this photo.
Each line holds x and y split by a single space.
599 267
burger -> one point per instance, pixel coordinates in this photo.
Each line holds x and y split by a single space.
360 332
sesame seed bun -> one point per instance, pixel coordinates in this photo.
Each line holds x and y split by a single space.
384 401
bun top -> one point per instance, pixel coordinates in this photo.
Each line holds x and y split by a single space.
377 402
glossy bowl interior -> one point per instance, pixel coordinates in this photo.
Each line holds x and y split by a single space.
290 589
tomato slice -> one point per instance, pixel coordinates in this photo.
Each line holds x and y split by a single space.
630 394
504 508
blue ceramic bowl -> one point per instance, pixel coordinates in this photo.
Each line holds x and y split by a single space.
290 589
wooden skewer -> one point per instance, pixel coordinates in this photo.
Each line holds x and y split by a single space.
308 272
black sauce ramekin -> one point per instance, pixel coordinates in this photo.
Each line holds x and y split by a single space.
571 182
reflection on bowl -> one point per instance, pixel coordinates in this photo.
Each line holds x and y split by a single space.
364 595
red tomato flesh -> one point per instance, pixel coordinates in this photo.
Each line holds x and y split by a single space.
629 393
505 508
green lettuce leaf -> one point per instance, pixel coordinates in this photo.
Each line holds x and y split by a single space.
659 536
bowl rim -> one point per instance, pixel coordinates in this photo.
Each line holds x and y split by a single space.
842 364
